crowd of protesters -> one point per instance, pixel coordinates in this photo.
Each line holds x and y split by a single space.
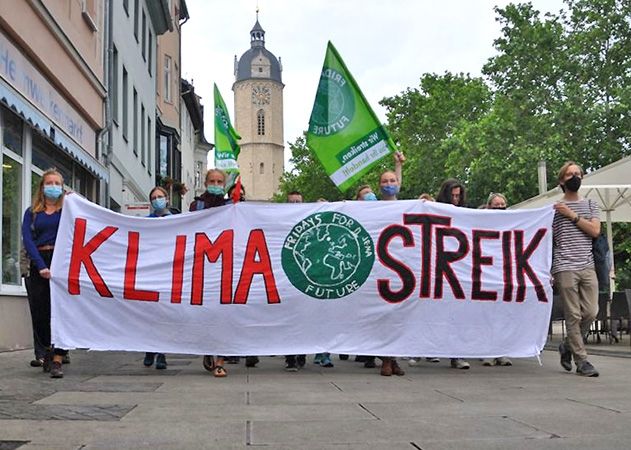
576 223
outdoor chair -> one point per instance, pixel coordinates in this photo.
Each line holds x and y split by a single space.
557 315
619 313
601 324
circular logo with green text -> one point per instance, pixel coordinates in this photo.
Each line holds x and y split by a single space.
334 104
328 255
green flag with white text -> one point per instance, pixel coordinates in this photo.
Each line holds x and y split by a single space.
344 132
226 145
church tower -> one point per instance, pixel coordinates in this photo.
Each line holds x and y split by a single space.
258 104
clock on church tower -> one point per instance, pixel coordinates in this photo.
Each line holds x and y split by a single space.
258 102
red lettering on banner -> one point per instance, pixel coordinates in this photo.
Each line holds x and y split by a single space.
256 246
406 275
477 261
129 289
177 277
82 254
522 266
207 250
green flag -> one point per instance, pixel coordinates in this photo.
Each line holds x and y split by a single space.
344 132
226 146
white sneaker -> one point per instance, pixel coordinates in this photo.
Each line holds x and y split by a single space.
433 360
459 363
504 361
488 362
412 362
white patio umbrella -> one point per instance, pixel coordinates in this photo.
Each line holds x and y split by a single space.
608 186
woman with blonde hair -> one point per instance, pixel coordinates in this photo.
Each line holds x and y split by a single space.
39 232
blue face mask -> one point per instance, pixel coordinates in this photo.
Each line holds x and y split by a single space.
53 191
159 203
370 196
215 190
390 190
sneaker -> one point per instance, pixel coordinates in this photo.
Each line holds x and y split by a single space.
37 362
148 361
412 362
318 358
161 362
369 362
433 360
326 361
301 360
586 369
55 370
459 363
291 367
251 361
566 357
488 362
65 359
503 361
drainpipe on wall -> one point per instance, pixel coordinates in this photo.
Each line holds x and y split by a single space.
109 76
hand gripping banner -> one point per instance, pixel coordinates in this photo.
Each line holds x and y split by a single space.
375 278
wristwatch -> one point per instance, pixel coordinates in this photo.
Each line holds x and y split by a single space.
576 219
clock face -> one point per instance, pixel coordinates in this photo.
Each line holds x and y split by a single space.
261 95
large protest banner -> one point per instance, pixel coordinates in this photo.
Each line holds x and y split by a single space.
382 278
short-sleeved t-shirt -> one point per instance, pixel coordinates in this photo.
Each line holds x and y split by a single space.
572 249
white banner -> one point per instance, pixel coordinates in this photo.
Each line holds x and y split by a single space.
373 278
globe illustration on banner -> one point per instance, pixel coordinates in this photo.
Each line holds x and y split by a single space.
328 255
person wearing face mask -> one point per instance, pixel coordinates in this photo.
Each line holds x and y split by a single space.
496 201
39 232
214 196
576 223
364 192
389 187
159 199
452 192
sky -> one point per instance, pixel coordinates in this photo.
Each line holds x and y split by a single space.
386 45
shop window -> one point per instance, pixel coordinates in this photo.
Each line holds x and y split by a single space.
12 131
11 219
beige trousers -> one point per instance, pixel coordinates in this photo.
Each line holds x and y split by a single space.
579 293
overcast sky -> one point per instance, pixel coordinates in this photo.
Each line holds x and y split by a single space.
387 45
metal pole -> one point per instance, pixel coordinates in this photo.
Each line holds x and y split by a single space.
612 280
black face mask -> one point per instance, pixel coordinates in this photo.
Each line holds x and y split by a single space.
499 207
573 184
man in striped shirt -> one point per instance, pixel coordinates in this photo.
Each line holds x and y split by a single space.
576 223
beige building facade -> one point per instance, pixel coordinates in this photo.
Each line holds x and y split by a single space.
258 103
52 96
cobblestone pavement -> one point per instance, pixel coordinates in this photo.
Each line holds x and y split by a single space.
108 400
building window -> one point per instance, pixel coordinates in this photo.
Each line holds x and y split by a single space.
136 18
260 122
142 134
167 78
150 53
135 139
115 93
12 132
144 35
125 103
163 157
261 169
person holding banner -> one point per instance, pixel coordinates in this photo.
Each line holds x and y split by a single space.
214 196
159 198
39 232
576 224
452 192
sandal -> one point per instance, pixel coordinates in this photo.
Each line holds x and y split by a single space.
220 372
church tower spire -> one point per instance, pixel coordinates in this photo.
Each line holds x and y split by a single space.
258 102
